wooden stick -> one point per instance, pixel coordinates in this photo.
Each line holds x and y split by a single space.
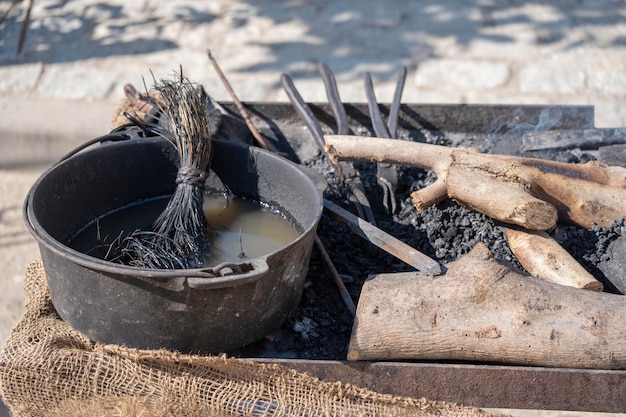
383 240
482 311
357 148
438 158
244 113
545 259
428 196
431 157
582 202
584 194
591 171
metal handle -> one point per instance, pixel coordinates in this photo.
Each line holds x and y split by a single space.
133 130
303 110
332 92
229 275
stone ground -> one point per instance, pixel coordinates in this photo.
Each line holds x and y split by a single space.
63 87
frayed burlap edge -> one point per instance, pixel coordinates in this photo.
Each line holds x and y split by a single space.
137 111
48 369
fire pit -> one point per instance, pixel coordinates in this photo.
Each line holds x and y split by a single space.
318 334
316 337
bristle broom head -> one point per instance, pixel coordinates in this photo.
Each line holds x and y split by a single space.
179 236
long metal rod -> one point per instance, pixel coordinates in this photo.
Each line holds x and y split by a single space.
383 240
394 111
343 170
332 92
343 291
303 110
380 128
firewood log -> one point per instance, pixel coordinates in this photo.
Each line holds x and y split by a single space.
497 192
480 310
533 192
543 257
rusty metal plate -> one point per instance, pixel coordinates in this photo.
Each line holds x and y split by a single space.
482 126
487 386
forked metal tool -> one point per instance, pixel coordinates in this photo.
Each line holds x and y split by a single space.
386 174
344 171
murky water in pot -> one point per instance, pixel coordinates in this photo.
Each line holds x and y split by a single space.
239 228
242 229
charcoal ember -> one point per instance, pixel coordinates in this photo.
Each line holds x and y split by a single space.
306 328
574 156
610 255
452 231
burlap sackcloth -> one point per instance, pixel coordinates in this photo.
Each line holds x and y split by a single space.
48 369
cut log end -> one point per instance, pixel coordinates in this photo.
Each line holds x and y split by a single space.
545 259
429 196
593 286
332 153
533 214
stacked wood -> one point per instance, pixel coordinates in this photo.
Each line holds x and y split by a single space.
530 193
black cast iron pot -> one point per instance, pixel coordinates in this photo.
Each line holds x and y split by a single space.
195 310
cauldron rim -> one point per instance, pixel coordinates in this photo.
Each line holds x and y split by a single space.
90 262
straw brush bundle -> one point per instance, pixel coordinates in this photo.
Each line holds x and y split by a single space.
179 236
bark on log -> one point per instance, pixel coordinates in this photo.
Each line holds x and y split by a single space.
501 196
585 194
544 258
580 201
482 311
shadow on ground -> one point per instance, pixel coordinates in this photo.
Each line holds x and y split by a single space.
363 34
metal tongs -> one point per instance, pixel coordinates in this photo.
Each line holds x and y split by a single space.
344 171
387 174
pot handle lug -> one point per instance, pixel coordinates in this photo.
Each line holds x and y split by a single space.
230 275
